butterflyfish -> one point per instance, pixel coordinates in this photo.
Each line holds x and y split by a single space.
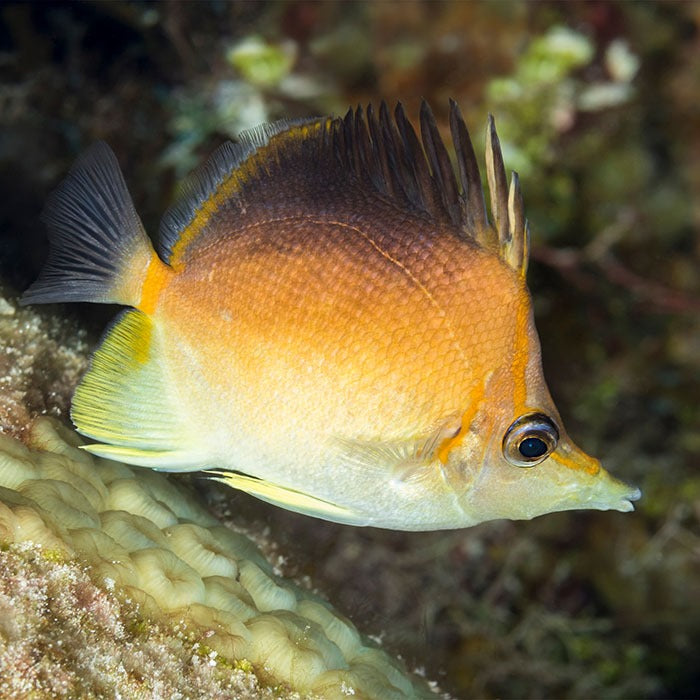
330 321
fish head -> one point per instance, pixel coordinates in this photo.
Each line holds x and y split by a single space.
532 467
517 461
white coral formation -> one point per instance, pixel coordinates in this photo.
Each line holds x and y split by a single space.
147 541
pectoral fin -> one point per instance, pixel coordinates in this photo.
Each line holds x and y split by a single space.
408 460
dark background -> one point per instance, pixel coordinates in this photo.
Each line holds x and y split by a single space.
597 108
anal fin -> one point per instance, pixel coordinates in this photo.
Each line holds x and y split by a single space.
288 498
127 400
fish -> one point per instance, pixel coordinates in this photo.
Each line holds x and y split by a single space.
330 321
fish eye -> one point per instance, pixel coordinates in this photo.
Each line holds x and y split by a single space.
530 440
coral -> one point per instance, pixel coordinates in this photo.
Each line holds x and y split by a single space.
41 359
61 636
115 580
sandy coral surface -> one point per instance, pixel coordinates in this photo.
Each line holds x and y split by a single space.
61 636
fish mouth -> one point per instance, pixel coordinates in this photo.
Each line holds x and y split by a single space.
612 494
625 505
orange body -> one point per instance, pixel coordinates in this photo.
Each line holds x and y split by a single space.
345 314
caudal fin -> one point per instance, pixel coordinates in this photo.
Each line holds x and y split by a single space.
99 250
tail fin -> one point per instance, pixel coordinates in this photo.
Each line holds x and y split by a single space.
99 250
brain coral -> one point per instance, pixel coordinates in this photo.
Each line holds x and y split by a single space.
118 555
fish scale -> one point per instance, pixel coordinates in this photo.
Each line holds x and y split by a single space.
330 323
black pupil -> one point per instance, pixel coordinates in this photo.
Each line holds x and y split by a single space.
532 447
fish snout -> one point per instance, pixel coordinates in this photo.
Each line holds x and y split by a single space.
610 493
592 486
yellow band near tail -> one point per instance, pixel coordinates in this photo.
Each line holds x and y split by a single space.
158 275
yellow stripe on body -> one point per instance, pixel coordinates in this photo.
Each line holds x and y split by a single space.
158 275
475 397
231 185
521 356
582 462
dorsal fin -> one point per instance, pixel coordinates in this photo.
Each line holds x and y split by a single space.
198 188
389 156
317 159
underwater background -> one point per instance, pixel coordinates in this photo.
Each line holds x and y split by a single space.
597 108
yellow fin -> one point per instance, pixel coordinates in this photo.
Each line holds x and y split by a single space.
289 498
158 460
126 400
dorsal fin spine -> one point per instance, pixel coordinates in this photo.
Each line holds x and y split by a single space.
440 164
516 249
381 156
390 138
412 153
473 204
498 183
